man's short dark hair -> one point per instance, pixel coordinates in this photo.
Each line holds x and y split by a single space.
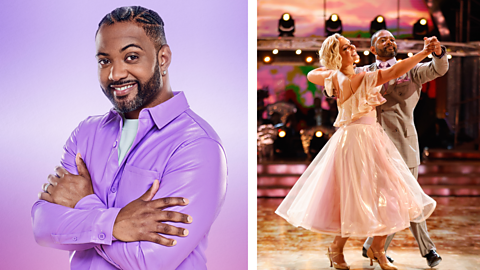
374 36
148 19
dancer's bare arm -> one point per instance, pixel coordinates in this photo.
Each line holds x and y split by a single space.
404 66
318 75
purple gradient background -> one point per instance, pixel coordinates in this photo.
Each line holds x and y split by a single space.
49 84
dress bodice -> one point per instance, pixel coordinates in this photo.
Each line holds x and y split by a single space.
360 103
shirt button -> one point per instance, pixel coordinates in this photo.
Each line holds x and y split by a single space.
114 189
101 236
114 144
74 238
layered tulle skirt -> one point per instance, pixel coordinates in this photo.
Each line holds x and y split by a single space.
358 185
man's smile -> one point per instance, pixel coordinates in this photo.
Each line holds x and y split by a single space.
123 90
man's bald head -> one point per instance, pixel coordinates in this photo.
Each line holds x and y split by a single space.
375 36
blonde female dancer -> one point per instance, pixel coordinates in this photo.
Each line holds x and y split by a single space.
359 184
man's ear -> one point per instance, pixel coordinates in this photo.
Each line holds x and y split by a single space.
372 49
164 58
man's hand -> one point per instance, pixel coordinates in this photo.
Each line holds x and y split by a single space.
429 45
434 44
142 219
65 188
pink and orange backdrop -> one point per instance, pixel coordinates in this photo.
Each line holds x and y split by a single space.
355 15
49 84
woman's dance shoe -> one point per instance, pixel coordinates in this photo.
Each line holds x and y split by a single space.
336 265
384 266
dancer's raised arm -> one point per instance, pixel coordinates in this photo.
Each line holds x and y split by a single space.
404 66
318 75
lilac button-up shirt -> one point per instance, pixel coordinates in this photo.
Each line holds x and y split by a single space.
174 145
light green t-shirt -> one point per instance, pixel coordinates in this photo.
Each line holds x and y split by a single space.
129 131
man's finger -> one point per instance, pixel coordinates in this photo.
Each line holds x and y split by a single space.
156 238
47 188
173 216
45 196
169 201
170 230
60 171
52 179
150 193
81 166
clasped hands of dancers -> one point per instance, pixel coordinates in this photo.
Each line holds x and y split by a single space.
359 184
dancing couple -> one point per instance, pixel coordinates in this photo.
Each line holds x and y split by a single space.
364 181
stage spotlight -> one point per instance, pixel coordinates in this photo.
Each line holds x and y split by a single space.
298 52
281 134
449 56
275 51
318 134
309 58
377 24
366 53
267 59
420 29
333 25
286 26
410 54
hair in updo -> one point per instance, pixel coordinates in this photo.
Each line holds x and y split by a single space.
330 53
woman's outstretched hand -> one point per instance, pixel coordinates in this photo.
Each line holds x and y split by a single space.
429 45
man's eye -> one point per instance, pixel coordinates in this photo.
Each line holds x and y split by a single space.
132 57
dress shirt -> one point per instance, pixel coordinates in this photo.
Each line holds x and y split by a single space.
174 145
383 65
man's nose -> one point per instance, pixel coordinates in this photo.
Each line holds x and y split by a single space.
117 72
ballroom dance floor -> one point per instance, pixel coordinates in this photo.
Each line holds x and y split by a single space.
454 228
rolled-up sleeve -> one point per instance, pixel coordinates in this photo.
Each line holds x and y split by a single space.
196 170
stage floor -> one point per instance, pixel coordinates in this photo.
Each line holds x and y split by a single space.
454 228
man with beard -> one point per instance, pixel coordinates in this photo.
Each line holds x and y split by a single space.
148 153
396 118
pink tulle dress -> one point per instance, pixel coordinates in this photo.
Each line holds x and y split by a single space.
358 185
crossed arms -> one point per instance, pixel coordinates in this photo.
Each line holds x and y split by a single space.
128 237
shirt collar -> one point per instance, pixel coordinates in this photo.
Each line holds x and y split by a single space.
391 61
161 114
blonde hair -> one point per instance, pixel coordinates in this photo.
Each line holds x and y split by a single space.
330 52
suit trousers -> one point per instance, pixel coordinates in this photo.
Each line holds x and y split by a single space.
419 231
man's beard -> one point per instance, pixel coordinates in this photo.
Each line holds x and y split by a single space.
145 92
385 53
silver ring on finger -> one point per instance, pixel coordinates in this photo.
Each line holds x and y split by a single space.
45 188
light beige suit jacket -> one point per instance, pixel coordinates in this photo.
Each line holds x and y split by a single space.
402 95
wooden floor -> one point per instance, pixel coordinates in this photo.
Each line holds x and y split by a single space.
454 228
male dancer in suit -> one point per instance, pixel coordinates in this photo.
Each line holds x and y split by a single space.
396 118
